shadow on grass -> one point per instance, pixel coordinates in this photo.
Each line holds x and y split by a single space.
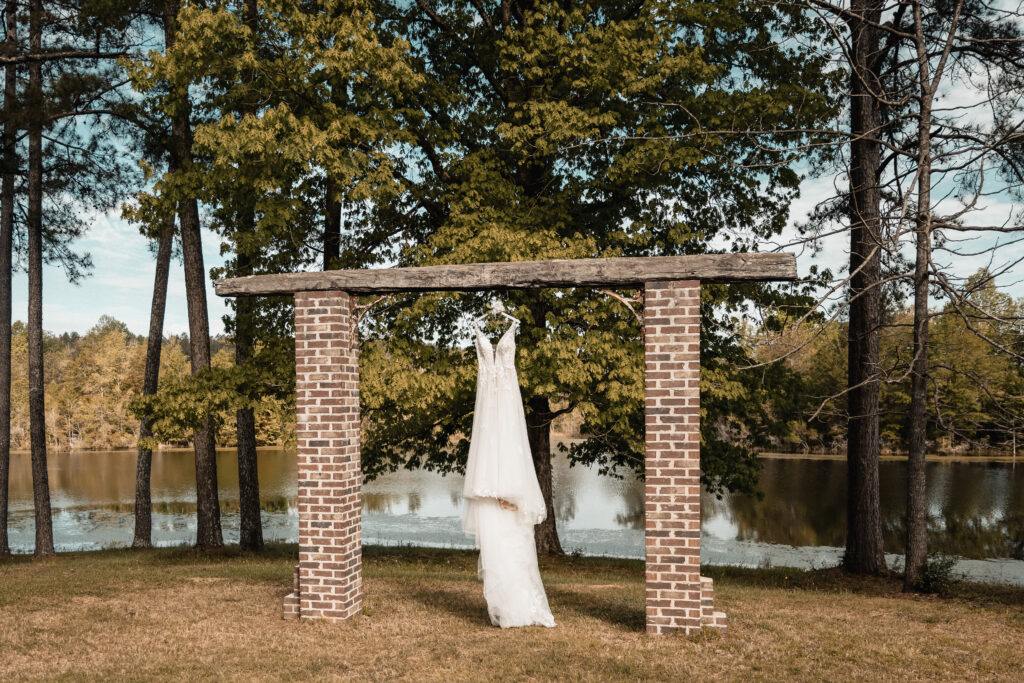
835 580
427 559
271 552
617 612
471 611
430 567
173 555
433 567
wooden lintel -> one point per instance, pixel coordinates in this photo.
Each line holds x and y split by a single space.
591 272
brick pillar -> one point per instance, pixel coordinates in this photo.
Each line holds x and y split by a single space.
329 574
678 598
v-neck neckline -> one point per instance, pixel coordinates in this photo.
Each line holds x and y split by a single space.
493 347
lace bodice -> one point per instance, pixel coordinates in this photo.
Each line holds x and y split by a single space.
500 356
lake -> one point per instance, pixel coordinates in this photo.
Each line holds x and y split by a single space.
976 509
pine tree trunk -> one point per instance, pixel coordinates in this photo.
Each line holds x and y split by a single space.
917 520
332 225
251 531
332 207
250 525
864 550
916 556
154 346
36 397
10 166
538 428
208 529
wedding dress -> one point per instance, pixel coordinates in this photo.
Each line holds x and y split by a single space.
500 467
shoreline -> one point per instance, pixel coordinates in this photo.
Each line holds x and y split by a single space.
384 547
931 457
134 449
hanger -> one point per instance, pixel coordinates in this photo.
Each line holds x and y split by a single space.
496 307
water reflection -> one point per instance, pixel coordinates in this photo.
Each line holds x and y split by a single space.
975 510
108 477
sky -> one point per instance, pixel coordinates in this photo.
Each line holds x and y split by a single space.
834 252
121 282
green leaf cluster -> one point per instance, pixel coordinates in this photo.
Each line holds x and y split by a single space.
579 130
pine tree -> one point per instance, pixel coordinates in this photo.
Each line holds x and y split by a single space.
71 170
10 163
266 131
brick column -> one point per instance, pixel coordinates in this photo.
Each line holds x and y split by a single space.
329 575
678 598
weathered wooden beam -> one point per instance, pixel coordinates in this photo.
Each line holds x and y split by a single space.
591 272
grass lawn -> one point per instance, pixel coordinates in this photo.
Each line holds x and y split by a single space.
177 614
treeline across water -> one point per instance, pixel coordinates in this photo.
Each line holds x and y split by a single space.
91 380
976 385
977 389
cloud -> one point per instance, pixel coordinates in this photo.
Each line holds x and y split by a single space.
121 284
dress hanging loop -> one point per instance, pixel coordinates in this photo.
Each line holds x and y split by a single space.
496 307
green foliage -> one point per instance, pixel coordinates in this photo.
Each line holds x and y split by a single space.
184 400
99 375
579 130
301 93
938 574
976 393
278 100
978 397
415 405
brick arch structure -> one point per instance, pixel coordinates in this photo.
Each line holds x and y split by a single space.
328 578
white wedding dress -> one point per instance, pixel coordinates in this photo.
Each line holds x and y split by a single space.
500 466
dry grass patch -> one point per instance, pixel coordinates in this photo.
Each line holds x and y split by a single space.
177 614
